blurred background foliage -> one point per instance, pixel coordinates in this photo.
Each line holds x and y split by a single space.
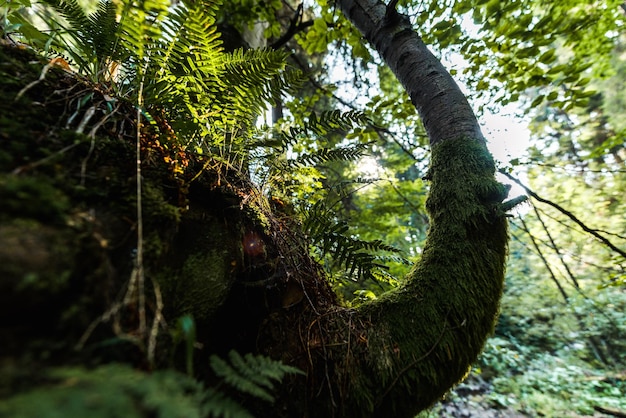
560 346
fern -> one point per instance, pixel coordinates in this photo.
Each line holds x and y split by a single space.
254 375
324 155
89 40
278 168
219 405
335 120
173 55
141 26
211 99
104 27
359 258
117 390
316 128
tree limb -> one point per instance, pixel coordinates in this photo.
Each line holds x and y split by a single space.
567 213
296 25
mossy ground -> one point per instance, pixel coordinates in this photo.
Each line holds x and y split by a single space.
68 241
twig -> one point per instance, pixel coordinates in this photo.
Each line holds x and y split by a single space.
545 261
556 249
139 260
92 135
158 319
612 412
567 213
86 118
18 170
32 84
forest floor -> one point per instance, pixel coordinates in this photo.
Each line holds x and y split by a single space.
471 400
477 408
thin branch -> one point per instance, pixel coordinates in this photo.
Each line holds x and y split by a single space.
572 169
140 242
579 258
556 249
570 227
44 160
544 260
567 213
296 25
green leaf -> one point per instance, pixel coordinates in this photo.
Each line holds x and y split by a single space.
254 375
548 57
537 101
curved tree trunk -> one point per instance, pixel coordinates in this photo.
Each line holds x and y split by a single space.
444 109
397 355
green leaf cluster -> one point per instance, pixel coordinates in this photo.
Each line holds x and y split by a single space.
250 374
361 259
167 59
300 176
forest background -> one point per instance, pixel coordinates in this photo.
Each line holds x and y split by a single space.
560 345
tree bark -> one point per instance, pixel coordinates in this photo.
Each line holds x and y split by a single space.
444 109
397 355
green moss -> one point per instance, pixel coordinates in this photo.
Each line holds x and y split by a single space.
66 226
204 267
418 341
32 197
34 260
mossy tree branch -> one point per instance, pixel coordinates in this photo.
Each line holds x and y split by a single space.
400 353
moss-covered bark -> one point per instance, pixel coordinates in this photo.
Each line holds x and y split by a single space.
68 228
440 320
400 353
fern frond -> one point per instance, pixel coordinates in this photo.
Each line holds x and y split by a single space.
191 45
216 404
346 187
181 51
358 257
316 127
256 78
103 30
72 12
254 375
141 25
336 121
76 38
325 155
